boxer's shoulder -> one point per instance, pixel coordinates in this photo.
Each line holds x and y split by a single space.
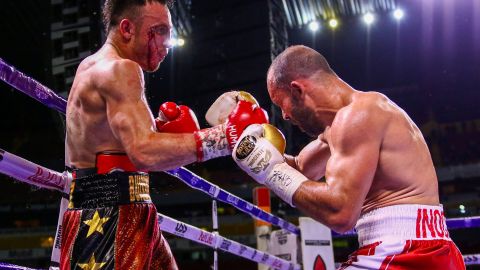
365 117
369 102
364 108
117 70
110 76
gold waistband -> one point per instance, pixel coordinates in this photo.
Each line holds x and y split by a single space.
139 188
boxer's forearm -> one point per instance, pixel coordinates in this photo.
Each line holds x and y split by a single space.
164 151
321 202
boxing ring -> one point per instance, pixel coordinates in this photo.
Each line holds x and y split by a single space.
39 176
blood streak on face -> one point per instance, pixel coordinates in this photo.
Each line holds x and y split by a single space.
157 52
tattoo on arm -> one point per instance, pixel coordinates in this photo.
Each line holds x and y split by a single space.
214 142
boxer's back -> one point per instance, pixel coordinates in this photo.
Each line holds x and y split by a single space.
88 130
405 173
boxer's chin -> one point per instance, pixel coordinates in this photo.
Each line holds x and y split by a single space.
153 66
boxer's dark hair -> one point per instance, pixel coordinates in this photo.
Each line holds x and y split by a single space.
114 10
294 63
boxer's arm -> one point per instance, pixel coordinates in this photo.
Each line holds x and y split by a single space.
132 123
312 159
355 145
290 160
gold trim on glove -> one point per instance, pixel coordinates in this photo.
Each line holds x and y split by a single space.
275 137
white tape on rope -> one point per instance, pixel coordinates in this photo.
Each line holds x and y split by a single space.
31 173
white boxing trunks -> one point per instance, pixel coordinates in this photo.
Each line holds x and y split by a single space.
402 237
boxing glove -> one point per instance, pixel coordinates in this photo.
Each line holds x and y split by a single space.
173 118
259 152
222 107
230 114
237 109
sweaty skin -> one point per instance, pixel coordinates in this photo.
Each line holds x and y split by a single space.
107 109
371 154
312 159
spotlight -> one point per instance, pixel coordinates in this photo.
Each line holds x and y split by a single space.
314 26
333 23
368 18
398 14
176 42
180 42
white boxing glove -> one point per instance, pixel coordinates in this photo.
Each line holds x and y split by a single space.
259 152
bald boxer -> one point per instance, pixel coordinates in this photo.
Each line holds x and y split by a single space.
112 142
379 175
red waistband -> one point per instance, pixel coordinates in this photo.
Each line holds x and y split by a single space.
107 162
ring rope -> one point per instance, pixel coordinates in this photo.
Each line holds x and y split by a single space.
31 173
12 165
214 240
46 96
8 266
31 87
471 259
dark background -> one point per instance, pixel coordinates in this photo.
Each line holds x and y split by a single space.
428 63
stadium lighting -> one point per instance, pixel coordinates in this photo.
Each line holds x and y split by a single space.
314 26
180 42
368 18
333 23
398 14
176 42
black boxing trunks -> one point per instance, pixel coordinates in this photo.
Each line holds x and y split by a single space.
404 237
111 222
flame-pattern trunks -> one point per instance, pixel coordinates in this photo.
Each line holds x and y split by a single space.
111 223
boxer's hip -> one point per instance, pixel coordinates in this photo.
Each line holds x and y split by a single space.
404 237
113 181
402 222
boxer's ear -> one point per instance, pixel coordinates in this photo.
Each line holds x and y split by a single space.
126 28
297 89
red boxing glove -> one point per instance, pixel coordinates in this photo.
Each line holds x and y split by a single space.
168 111
173 118
229 115
243 115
